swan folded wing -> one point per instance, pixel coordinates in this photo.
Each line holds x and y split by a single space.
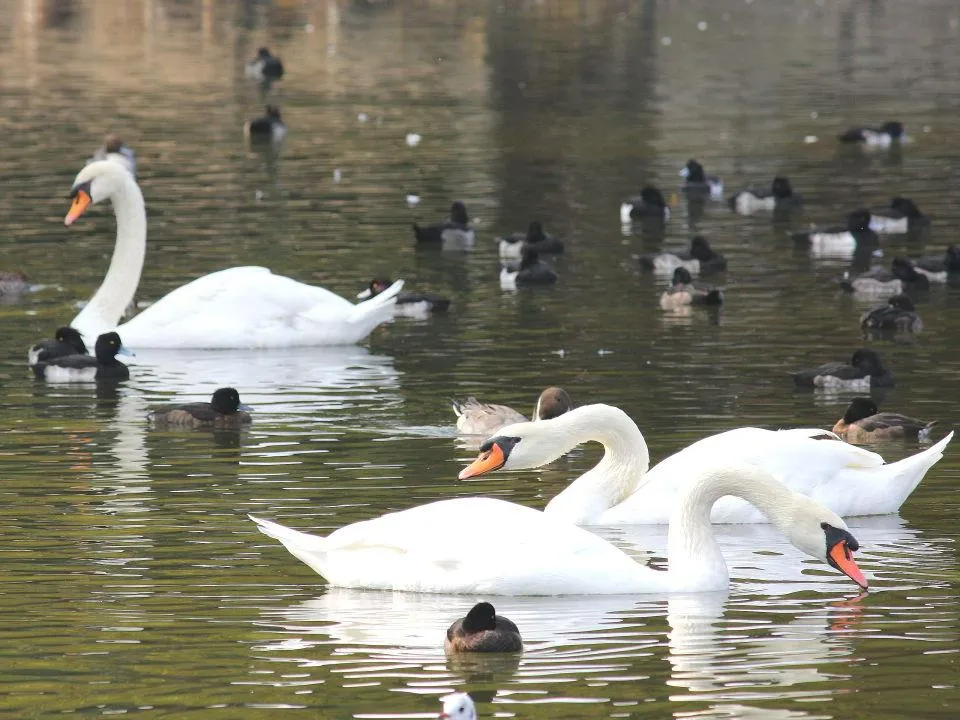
241 307
472 545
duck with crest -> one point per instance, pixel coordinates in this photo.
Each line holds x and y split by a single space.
649 205
223 411
700 258
898 315
902 216
878 281
409 304
864 423
697 182
482 630
779 196
66 341
265 67
620 490
484 419
531 271
865 371
884 136
102 365
454 233
268 128
242 307
474 545
511 246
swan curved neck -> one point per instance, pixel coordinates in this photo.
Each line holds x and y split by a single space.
620 471
117 290
696 562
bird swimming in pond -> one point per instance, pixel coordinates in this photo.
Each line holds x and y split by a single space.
884 136
511 246
648 205
409 304
700 258
779 196
864 371
485 419
265 67
13 284
482 630
531 271
223 411
102 365
864 423
454 233
268 128
683 292
66 341
458 706
898 314
696 181
115 149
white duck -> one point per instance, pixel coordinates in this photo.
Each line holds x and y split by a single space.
493 547
242 307
620 491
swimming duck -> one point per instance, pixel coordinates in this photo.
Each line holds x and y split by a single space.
701 258
409 304
531 271
103 365
856 236
864 423
901 217
265 67
780 196
268 128
66 341
454 233
482 630
511 246
883 136
115 149
697 181
648 205
223 411
898 314
458 706
864 371
683 292
13 283
878 281
938 267
478 418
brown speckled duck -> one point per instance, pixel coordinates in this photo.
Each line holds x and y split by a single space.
223 411
482 630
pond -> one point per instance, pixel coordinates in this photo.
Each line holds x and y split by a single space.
133 582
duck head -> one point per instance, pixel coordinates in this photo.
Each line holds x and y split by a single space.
781 187
681 276
693 172
652 196
226 401
108 346
867 360
893 128
553 402
859 408
458 213
905 206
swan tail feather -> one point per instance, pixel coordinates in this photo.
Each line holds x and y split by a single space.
901 478
309 549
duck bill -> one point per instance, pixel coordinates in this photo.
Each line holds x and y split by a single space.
126 351
842 559
487 461
81 201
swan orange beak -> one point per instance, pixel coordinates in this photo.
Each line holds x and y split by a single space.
842 559
487 461
81 201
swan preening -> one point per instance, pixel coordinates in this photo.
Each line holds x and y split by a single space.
242 307
487 546
619 490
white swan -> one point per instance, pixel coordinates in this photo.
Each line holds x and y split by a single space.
488 546
243 307
620 491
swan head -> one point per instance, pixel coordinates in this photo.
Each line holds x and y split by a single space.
458 706
95 183
823 534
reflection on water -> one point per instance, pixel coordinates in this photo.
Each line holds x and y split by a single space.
135 579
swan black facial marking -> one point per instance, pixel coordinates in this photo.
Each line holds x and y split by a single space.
835 535
82 187
506 444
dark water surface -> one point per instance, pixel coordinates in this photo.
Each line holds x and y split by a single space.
132 582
